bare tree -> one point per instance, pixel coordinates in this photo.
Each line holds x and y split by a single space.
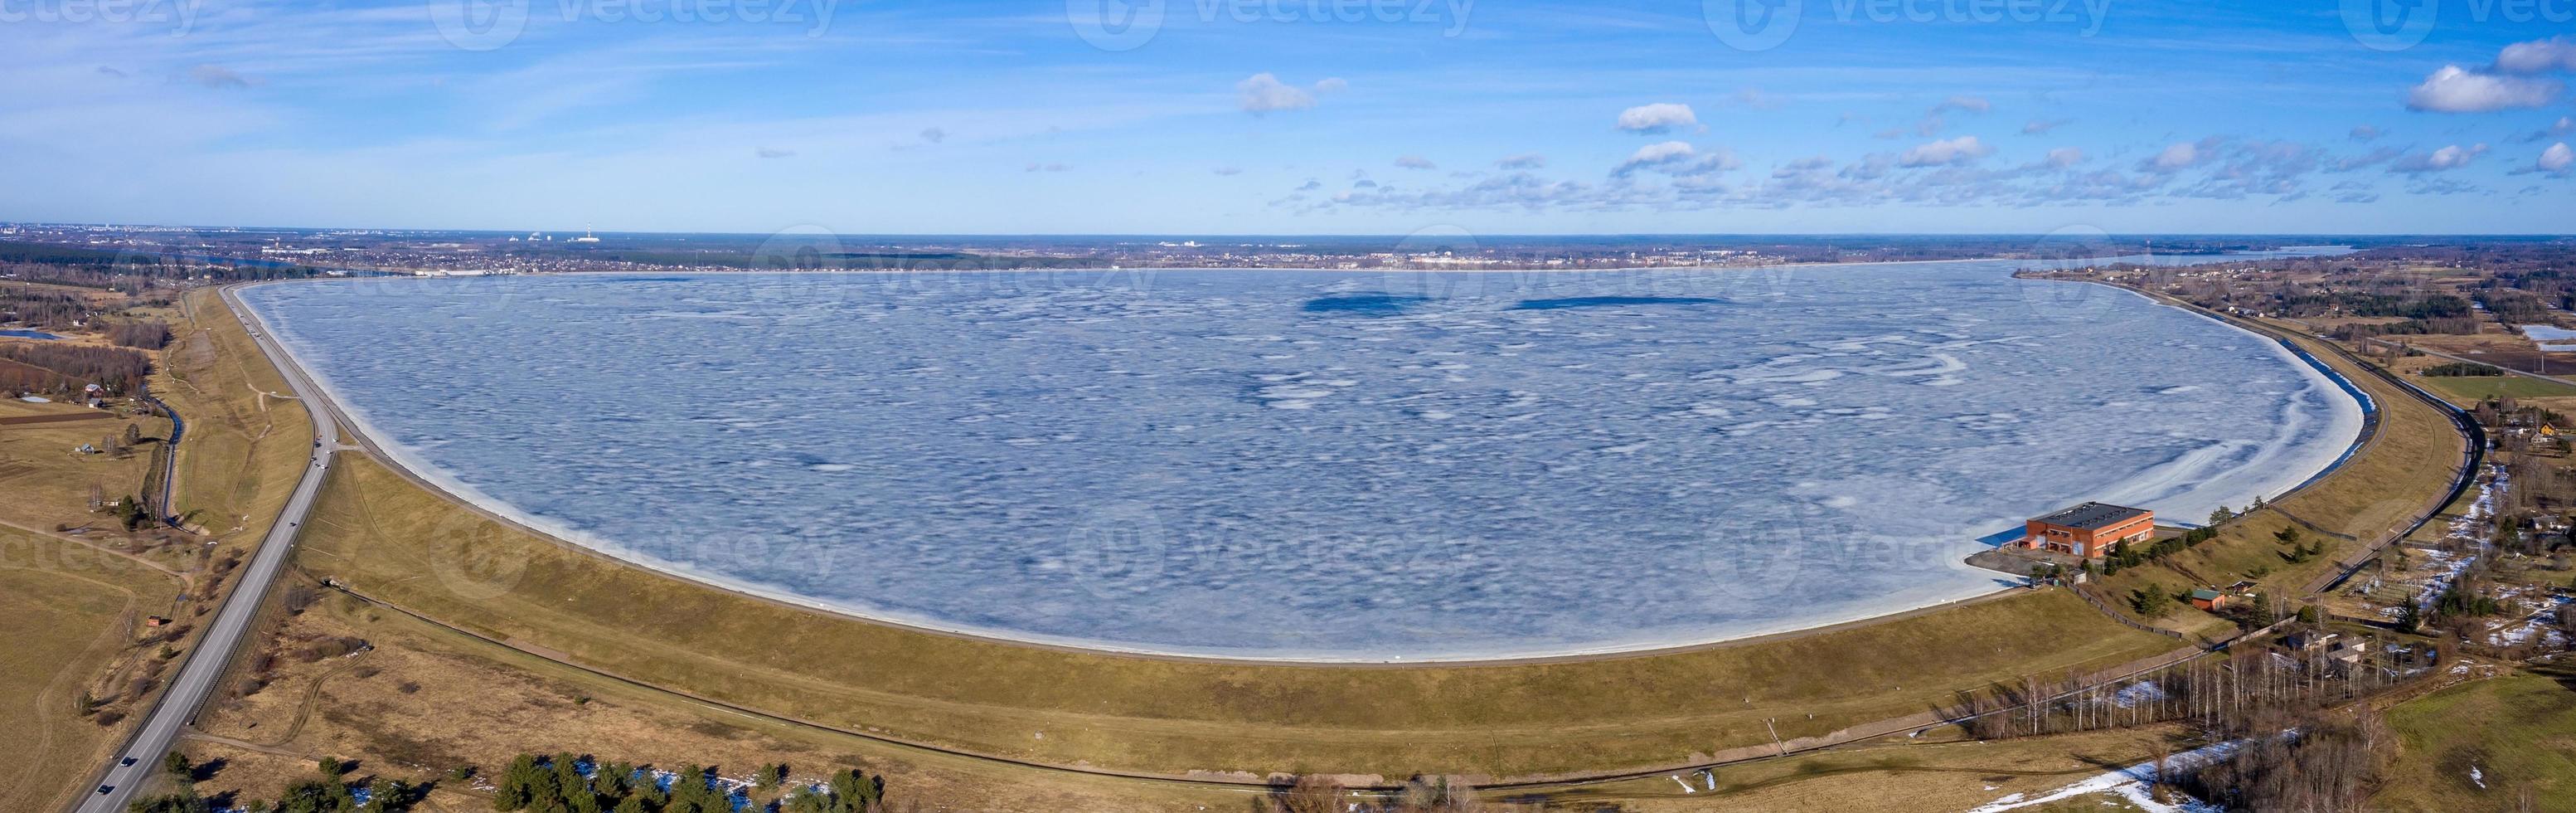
1309 794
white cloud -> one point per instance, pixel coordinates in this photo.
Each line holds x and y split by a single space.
2065 157
2538 56
1661 117
2039 126
2441 160
1959 150
1264 93
773 152
1972 104
2557 159
1227 170
1415 162
2180 156
2364 133
1527 160
1677 158
2454 89
1662 153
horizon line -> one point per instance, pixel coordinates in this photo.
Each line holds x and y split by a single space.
1277 235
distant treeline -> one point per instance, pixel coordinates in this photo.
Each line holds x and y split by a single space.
2463 326
2360 303
814 259
2516 307
2462 369
64 369
132 272
12 252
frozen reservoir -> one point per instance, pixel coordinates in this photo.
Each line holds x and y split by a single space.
1316 465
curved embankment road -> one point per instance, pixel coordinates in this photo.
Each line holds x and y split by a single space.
204 666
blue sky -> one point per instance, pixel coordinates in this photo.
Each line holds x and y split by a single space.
1336 116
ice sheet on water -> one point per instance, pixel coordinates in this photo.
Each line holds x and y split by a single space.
1275 464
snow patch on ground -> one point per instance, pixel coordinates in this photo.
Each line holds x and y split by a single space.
2135 784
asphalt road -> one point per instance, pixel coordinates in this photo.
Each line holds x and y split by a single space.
205 662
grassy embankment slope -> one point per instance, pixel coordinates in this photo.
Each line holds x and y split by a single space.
2407 464
245 447
2517 731
390 539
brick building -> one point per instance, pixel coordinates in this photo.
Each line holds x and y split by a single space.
2089 530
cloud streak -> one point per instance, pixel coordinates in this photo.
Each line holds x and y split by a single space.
1661 117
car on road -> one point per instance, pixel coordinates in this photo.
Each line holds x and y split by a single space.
106 789
127 762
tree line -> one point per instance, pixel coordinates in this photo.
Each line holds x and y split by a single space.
64 369
2462 369
565 783
330 790
142 334
40 308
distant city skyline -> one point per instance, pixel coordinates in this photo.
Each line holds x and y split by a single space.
1232 117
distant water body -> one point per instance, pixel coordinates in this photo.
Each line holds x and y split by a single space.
1317 465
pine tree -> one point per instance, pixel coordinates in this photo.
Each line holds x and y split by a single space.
516 790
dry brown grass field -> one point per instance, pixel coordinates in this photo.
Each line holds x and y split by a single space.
2517 731
426 700
72 601
47 482
71 614
1896 776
